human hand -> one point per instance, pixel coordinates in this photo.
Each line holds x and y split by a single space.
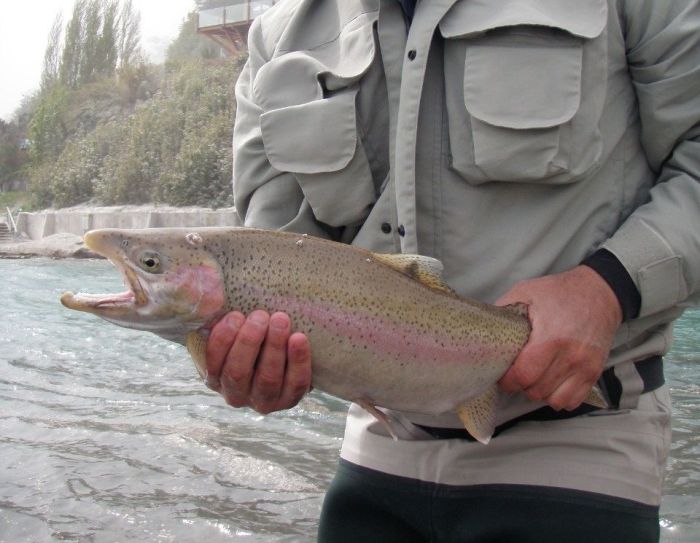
257 361
574 316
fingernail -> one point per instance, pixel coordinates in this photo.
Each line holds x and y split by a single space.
259 318
235 320
278 322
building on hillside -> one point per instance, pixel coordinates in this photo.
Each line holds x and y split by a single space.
228 26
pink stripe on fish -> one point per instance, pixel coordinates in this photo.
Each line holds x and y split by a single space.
400 341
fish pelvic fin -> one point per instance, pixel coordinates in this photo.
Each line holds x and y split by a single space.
196 343
423 269
379 415
596 398
479 415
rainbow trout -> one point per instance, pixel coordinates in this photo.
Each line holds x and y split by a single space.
385 330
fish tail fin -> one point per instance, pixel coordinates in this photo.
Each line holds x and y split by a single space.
479 415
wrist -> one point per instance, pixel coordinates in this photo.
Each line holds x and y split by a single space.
606 265
601 294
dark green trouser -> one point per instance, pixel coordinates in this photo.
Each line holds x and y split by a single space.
367 506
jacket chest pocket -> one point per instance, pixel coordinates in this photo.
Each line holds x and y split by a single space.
309 123
525 87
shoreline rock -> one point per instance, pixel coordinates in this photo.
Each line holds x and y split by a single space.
62 245
57 233
78 220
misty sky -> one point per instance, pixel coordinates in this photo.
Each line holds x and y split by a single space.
24 30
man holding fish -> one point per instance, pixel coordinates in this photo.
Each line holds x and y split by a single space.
548 154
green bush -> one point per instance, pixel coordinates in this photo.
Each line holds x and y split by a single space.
48 129
173 147
75 172
15 199
201 172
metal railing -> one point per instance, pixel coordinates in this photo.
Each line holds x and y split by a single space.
11 221
238 12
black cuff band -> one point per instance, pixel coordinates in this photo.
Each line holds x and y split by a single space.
614 273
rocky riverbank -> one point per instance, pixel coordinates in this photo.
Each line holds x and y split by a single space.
58 233
62 245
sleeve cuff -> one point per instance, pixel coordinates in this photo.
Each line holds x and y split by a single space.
615 275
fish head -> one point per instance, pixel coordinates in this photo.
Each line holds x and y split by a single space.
175 285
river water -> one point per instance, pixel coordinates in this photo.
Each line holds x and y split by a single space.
107 435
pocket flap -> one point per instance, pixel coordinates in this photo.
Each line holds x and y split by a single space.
523 82
319 136
312 68
585 19
289 80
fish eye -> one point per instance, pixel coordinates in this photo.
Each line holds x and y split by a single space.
150 262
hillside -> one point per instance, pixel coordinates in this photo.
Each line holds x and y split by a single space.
109 128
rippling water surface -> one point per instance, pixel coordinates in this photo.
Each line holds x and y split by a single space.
106 435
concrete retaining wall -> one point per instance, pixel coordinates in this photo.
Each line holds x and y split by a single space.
77 221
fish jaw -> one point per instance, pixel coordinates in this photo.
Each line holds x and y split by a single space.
186 294
110 305
100 304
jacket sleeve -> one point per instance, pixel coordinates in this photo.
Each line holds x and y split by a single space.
659 243
264 197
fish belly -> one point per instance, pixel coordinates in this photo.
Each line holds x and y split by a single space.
413 374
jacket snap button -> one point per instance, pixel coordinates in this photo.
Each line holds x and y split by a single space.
412 54
386 228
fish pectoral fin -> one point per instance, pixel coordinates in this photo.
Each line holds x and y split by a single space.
596 398
196 344
423 269
379 415
479 415
519 308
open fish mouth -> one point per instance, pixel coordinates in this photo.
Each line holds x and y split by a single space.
120 303
87 302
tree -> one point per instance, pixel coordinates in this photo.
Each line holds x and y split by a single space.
100 35
52 55
47 129
73 46
91 33
107 52
190 45
10 153
89 140
129 35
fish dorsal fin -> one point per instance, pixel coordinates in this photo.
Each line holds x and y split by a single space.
424 269
479 415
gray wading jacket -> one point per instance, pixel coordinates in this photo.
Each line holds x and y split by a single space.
510 140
